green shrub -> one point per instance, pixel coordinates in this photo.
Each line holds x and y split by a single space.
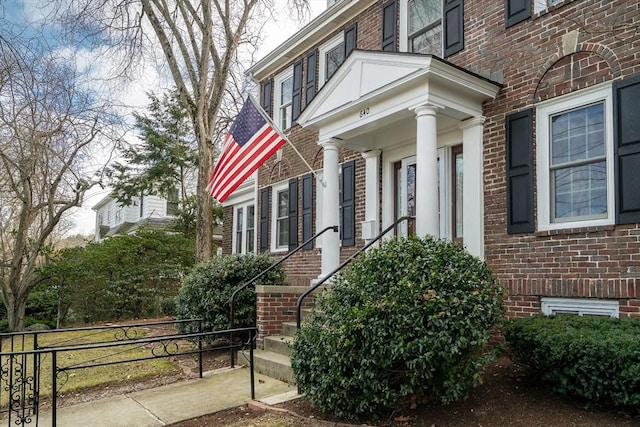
408 320
206 291
591 357
168 306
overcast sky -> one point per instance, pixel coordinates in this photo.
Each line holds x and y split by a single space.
277 30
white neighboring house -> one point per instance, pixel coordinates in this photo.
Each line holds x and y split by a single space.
150 212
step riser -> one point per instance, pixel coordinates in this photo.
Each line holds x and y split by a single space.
277 344
289 329
271 368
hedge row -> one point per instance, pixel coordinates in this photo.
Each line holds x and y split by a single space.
591 357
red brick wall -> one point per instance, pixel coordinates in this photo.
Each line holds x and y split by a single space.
275 307
600 262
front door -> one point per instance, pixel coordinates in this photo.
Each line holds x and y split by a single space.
405 193
450 192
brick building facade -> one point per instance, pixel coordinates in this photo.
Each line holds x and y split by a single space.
523 143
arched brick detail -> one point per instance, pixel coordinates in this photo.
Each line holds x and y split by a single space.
591 64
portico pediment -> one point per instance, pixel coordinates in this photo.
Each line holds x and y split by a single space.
374 85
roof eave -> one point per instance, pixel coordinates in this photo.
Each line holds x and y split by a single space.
308 36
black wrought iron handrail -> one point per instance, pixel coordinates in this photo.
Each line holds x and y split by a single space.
13 361
271 267
248 283
309 291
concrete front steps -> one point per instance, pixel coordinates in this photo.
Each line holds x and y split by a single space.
275 360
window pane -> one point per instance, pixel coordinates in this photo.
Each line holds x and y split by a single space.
423 13
285 116
286 91
283 198
578 135
283 232
250 228
239 226
429 42
282 223
580 191
334 58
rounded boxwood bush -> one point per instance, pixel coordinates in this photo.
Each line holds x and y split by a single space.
595 358
408 321
206 290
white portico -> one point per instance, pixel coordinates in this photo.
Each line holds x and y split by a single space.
419 114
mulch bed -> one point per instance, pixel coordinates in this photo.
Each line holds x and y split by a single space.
507 398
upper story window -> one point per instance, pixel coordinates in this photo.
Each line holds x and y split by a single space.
283 96
575 160
331 57
424 23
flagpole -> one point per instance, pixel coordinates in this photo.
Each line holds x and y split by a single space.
266 117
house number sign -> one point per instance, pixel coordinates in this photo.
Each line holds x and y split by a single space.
364 112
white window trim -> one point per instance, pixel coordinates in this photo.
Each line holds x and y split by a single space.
557 105
274 216
234 239
580 306
322 60
277 92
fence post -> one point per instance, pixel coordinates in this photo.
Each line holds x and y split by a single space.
200 346
54 386
253 384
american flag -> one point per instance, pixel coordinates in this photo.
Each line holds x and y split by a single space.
249 143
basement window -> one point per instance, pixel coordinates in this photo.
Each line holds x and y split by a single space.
580 306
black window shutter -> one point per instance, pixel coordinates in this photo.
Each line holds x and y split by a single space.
519 129
389 26
453 26
347 204
296 101
516 11
350 39
266 97
264 219
626 113
310 86
307 209
293 214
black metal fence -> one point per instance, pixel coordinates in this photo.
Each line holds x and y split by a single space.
23 355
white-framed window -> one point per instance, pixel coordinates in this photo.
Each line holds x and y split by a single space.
283 98
421 26
331 56
580 306
542 5
280 217
244 228
575 160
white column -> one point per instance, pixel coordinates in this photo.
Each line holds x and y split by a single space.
473 188
427 222
372 195
330 207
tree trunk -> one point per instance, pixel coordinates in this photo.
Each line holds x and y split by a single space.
204 211
16 308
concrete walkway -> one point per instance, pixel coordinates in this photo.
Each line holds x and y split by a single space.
218 390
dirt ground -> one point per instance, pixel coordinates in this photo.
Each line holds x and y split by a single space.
507 398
